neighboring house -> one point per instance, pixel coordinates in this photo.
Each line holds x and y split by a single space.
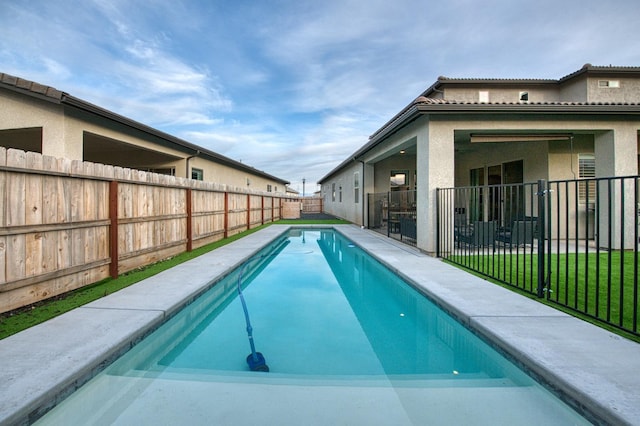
472 132
39 118
292 192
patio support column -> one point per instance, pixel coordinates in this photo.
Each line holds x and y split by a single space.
368 186
435 169
61 139
616 154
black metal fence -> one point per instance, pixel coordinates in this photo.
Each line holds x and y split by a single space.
573 242
394 215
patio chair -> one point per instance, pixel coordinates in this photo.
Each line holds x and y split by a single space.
520 234
408 227
478 234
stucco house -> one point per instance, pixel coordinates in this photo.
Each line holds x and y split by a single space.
470 131
42 119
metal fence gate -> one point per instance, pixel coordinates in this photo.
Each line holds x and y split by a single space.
394 215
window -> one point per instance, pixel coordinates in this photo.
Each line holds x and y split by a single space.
477 177
356 187
586 170
398 178
197 174
483 96
523 96
170 171
614 84
340 193
269 188
333 192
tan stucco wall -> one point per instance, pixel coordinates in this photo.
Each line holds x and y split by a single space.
577 89
219 173
629 90
533 155
502 94
574 90
346 209
563 156
19 112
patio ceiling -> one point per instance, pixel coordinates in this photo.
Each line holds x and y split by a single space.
100 149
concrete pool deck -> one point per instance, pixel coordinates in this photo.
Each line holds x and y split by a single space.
597 369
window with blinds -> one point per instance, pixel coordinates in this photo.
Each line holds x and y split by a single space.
587 170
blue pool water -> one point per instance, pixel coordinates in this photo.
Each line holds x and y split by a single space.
343 336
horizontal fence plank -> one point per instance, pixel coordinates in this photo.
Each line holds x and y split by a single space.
30 229
25 282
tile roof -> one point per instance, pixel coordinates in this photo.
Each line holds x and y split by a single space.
601 69
496 80
432 101
20 84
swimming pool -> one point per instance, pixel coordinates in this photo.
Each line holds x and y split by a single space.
346 341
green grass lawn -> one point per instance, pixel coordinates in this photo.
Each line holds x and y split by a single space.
603 286
18 320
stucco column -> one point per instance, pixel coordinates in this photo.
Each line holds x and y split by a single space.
435 169
616 154
63 139
616 151
367 186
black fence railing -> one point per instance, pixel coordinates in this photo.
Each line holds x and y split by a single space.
573 242
394 215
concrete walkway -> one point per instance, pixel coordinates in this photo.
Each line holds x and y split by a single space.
597 369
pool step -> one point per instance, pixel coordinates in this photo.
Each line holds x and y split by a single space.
171 400
409 380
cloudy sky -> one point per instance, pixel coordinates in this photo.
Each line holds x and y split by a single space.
293 87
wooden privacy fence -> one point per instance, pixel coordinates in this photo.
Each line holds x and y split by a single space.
312 205
65 224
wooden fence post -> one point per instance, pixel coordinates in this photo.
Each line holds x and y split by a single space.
262 210
189 219
226 214
113 229
248 211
